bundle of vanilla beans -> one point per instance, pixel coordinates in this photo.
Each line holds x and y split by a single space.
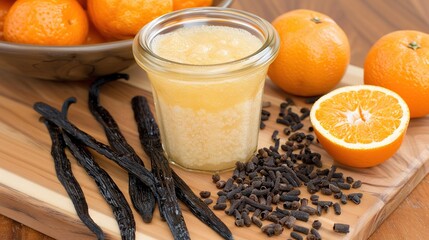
160 186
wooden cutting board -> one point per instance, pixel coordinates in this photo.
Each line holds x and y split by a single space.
30 192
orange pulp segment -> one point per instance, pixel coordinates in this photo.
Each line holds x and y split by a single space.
360 126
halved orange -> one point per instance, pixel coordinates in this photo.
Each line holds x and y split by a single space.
360 126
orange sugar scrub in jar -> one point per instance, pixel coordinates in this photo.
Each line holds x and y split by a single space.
207 68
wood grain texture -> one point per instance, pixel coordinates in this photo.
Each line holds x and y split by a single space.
363 21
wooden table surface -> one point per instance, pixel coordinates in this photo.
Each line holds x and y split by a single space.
364 21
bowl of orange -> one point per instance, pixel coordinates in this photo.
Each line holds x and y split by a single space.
94 38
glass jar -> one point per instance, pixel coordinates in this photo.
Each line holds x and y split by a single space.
208 114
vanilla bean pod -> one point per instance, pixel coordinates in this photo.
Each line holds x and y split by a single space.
179 231
107 187
151 142
141 196
69 182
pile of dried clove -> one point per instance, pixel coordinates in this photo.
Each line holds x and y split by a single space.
268 187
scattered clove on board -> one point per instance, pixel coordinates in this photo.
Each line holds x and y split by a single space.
341 228
273 178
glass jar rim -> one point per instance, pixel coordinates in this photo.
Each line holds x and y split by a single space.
264 55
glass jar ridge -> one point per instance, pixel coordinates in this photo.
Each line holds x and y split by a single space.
150 61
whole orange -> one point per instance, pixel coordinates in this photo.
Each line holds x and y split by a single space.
94 36
122 19
46 22
314 53
181 4
4 8
83 3
399 61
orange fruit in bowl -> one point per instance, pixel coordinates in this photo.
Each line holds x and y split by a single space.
399 61
314 53
360 126
181 4
83 3
93 36
46 22
4 8
122 19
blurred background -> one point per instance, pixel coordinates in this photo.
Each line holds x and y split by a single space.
364 21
